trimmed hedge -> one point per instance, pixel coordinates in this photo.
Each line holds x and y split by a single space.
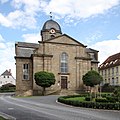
87 98
103 100
7 89
89 104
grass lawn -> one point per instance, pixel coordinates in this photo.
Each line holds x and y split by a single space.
1 118
76 98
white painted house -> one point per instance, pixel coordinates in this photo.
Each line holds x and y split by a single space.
7 78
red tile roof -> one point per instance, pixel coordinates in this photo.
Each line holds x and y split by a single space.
111 61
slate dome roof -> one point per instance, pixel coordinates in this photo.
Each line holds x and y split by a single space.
51 24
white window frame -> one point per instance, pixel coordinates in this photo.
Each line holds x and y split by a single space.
26 71
113 71
117 70
64 63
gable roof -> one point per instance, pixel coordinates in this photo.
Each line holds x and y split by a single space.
27 45
6 73
90 50
52 39
111 61
25 49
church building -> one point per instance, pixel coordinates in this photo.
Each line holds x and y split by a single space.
58 53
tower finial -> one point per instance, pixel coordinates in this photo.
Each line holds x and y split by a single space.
50 15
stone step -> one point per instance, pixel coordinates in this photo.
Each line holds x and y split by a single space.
67 92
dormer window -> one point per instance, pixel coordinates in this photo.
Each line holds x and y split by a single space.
111 62
115 61
106 64
52 36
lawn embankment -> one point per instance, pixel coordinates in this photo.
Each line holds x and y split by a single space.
1 118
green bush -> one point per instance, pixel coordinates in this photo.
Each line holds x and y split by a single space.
112 99
103 95
90 104
104 100
6 88
109 88
87 98
2 118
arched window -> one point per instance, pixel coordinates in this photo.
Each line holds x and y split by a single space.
64 63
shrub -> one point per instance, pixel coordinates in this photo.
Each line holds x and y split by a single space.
87 98
90 104
6 88
104 100
112 99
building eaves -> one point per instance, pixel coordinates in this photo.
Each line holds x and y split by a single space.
49 40
111 61
27 45
90 50
24 52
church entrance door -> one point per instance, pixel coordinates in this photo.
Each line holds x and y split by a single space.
63 82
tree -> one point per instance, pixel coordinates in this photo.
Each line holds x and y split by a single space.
92 78
116 93
44 79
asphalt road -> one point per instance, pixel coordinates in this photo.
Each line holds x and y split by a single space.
46 108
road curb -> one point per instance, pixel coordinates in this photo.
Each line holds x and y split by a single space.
117 111
6 116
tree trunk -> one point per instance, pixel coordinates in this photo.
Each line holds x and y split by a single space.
43 92
95 92
90 93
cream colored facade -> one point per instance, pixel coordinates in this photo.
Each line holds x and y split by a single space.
67 58
110 70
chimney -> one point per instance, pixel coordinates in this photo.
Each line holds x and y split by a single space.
10 71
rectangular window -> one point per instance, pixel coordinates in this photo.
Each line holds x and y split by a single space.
105 73
116 70
25 71
117 81
64 69
92 55
109 81
113 81
102 72
105 81
64 63
112 71
109 72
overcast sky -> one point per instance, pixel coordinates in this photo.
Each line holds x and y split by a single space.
95 23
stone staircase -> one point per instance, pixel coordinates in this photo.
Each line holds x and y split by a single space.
57 92
62 92
67 92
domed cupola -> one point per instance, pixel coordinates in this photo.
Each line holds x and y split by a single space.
50 29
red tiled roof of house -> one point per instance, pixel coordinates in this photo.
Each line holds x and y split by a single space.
111 61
